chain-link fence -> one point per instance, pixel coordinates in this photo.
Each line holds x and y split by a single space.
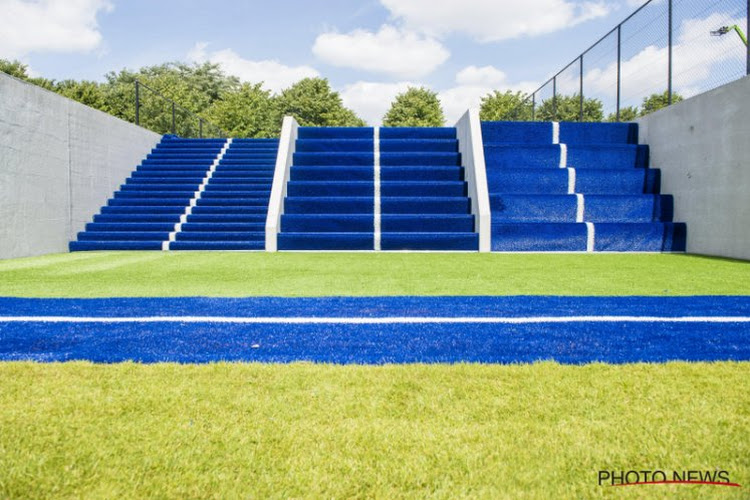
665 51
164 116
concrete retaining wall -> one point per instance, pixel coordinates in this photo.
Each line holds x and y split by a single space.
702 146
59 163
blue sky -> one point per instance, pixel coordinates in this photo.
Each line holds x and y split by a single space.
369 49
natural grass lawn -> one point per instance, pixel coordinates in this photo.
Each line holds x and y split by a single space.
156 274
539 431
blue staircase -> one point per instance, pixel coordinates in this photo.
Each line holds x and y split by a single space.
575 187
404 190
189 194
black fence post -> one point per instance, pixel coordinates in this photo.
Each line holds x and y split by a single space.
174 129
533 106
138 102
669 62
554 98
580 88
619 64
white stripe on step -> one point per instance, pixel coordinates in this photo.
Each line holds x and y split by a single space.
563 156
581 208
377 321
571 180
590 236
376 197
196 196
555 132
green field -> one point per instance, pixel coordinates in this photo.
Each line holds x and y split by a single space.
157 274
541 431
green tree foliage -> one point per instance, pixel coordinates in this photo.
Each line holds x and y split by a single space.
417 107
568 108
14 68
312 102
627 114
655 102
86 92
247 112
506 105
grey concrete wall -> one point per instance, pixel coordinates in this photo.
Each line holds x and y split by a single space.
702 146
59 163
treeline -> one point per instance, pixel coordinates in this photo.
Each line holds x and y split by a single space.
247 110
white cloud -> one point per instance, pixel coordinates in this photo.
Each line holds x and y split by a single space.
695 54
274 75
49 26
371 100
403 54
488 21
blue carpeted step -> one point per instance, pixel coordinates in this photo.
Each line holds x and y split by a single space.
133 187
329 205
254 201
130 226
217 245
136 218
335 146
221 236
239 187
326 241
664 237
315 173
386 145
84 246
366 188
150 180
232 175
160 210
228 218
167 176
426 223
146 202
361 223
223 227
417 133
191 156
229 210
141 193
335 133
425 205
257 193
597 208
430 241
419 159
589 181
582 156
569 133
123 235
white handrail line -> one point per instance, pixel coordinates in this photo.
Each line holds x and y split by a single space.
284 158
471 147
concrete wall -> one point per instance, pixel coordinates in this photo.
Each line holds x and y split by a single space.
59 163
702 146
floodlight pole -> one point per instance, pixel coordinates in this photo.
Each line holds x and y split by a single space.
669 77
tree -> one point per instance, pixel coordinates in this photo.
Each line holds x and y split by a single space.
312 102
655 102
568 108
417 107
85 92
247 112
506 105
627 114
14 68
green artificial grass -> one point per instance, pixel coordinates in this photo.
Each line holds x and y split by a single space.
158 274
540 431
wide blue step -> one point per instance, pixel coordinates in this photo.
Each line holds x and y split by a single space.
230 210
220 235
254 201
420 159
333 174
144 202
386 145
335 133
187 156
329 205
425 205
596 208
589 181
258 218
152 180
256 192
326 241
366 188
573 237
570 133
123 236
145 193
82 246
154 209
417 133
133 187
548 156
430 241
167 176
305 223
263 187
176 163
218 245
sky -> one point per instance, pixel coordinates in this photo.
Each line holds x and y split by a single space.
370 50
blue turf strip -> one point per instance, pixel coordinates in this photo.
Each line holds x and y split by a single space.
572 341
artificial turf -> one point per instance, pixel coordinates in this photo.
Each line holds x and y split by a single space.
537 431
162 274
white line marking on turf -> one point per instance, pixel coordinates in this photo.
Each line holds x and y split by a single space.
196 196
563 156
378 321
571 180
581 208
376 197
555 132
590 237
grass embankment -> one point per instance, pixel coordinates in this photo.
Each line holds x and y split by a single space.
159 274
537 431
